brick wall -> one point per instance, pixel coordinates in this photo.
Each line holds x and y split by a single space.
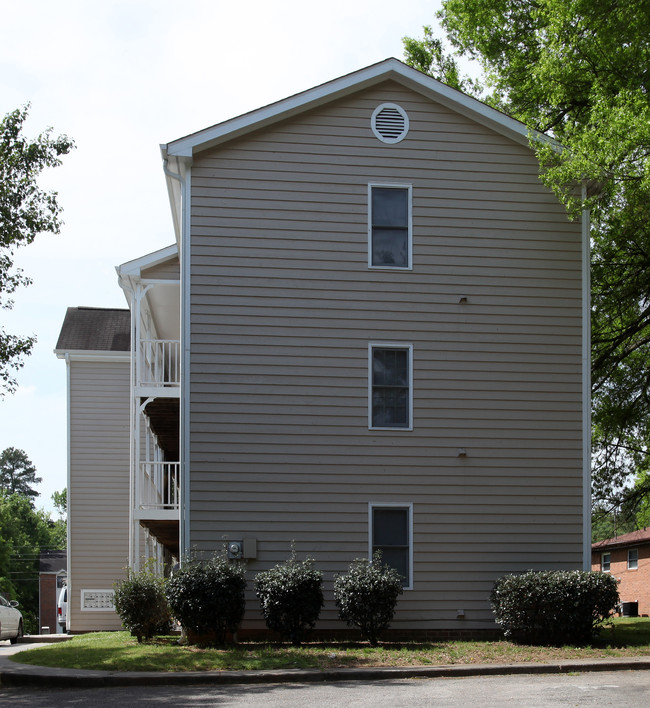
634 585
48 599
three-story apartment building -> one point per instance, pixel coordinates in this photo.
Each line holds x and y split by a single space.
370 334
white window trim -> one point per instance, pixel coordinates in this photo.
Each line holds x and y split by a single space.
391 345
395 505
602 562
391 185
636 567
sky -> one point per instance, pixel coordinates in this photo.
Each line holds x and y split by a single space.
121 77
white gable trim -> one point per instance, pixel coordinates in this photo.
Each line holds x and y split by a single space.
345 85
136 266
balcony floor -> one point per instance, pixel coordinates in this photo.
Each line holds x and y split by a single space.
165 531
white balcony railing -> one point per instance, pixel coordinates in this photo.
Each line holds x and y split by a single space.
159 362
159 485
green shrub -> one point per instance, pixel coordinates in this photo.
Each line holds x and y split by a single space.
553 607
366 596
291 597
141 604
207 597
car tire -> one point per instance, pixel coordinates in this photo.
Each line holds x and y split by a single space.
13 640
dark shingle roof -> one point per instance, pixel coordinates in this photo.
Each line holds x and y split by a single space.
53 561
95 329
633 538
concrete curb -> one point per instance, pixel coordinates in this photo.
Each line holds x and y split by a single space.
15 674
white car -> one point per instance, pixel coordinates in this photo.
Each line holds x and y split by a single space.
62 608
11 620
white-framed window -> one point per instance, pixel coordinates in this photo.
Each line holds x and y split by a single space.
605 562
390 386
391 532
633 559
390 232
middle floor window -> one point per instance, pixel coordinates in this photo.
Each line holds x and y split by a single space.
390 382
389 226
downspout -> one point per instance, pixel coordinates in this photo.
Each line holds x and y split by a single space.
184 255
586 382
126 283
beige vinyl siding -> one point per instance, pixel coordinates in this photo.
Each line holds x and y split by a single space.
99 485
283 306
170 270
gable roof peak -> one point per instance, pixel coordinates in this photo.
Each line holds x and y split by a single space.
390 68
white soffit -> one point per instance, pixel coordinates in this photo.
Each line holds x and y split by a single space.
343 86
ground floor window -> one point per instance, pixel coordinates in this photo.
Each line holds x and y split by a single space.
391 533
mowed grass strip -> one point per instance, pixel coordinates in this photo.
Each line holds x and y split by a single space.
118 651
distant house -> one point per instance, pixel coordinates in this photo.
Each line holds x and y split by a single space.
371 333
52 575
95 343
627 557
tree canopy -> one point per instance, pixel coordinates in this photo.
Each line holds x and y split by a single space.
17 473
24 533
579 71
25 211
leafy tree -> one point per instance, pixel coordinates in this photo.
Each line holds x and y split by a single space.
60 501
17 473
24 533
578 71
25 211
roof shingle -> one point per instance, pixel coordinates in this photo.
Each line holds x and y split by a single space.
95 329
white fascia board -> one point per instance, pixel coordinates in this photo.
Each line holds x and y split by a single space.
176 169
91 355
351 83
136 266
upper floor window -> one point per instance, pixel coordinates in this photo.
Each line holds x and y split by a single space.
390 383
633 559
605 562
389 226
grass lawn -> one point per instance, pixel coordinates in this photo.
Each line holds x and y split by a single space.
118 651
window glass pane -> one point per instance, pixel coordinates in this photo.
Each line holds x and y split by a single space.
605 561
390 527
390 407
397 558
390 247
389 207
390 388
390 367
632 558
390 535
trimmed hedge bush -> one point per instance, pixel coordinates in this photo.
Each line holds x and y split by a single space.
207 597
141 603
366 596
291 597
554 607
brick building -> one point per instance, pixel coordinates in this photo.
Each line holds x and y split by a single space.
627 557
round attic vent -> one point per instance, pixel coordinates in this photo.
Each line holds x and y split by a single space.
390 123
